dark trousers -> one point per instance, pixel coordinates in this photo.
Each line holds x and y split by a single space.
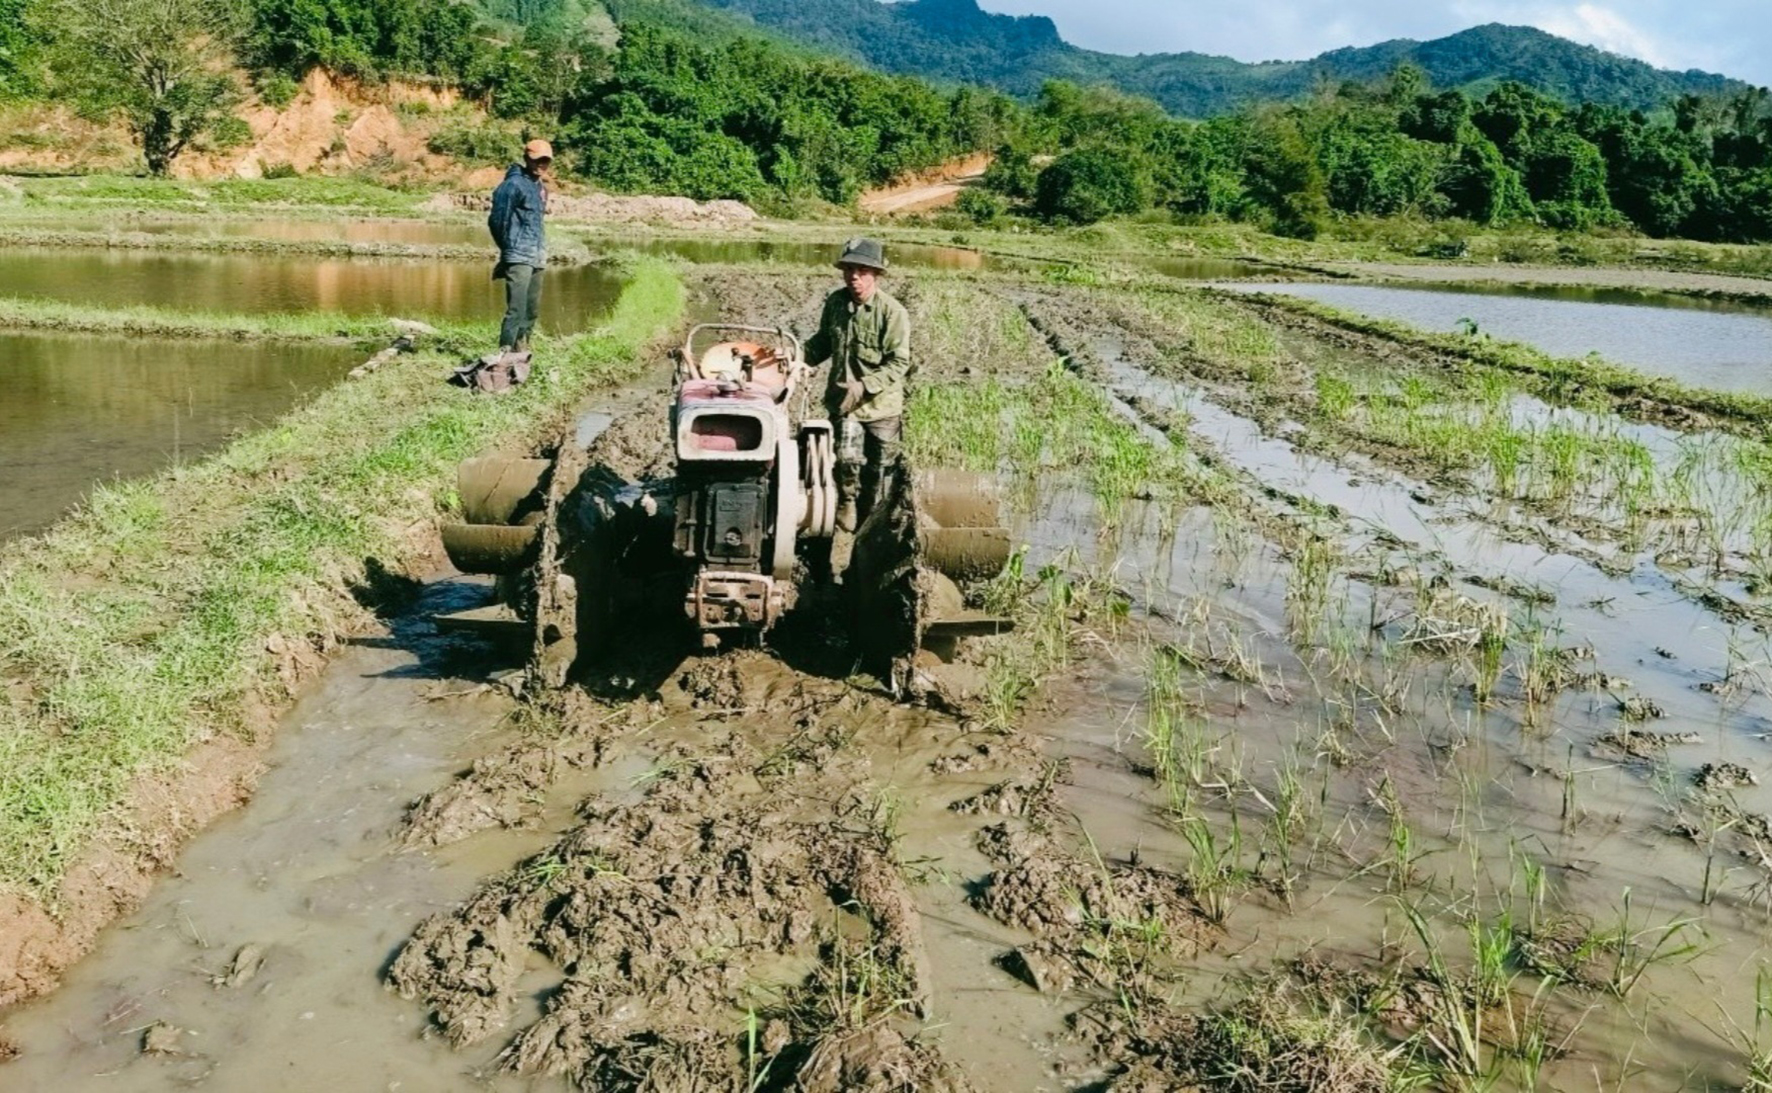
522 305
866 481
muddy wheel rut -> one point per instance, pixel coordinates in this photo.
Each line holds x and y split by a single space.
1114 931
1292 766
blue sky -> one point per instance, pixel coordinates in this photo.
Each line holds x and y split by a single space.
1733 37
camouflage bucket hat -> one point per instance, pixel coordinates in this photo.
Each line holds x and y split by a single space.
861 251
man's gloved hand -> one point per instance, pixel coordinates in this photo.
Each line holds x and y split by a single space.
852 396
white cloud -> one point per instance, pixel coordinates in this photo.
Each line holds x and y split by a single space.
1728 36
1609 30
1588 23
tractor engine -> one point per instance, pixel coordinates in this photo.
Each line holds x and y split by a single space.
730 437
585 558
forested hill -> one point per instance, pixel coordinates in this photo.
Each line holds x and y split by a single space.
953 40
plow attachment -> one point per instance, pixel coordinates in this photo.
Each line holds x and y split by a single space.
939 529
585 560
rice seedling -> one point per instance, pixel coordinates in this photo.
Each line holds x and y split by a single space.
1456 1032
1335 395
1291 811
1633 950
1215 871
1307 587
853 986
756 1066
1756 1044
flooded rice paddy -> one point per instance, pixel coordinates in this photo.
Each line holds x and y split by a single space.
1409 730
81 410
257 284
1204 269
1724 347
303 882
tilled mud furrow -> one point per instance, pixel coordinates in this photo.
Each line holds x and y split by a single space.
745 881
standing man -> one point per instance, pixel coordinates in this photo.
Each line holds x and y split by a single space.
866 335
516 223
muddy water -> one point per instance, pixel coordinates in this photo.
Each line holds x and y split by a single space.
1724 347
1482 789
310 875
253 284
80 410
1479 792
1203 269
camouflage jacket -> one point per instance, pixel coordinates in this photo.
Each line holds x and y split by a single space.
870 342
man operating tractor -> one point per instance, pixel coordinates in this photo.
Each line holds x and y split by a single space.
866 335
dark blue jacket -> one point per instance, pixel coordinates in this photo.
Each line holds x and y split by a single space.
515 222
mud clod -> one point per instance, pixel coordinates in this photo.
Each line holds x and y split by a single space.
1104 924
1021 797
243 969
878 1059
1271 1042
1721 777
669 917
1037 965
994 754
161 1038
1638 708
1646 745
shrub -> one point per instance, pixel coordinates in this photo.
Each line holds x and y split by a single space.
277 89
230 132
1086 185
981 206
490 143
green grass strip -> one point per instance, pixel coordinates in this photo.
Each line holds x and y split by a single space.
229 193
1560 377
147 321
141 625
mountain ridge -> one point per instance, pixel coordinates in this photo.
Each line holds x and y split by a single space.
957 41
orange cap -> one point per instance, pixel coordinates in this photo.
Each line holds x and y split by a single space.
538 149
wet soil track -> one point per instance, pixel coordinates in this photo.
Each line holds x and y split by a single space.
810 886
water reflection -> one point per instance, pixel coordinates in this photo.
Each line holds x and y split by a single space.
1203 269
80 410
254 284
1726 347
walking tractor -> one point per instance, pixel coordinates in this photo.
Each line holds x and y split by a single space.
728 540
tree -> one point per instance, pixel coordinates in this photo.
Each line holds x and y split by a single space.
1088 184
1283 175
17 46
1196 167
1011 173
364 37
1479 185
160 64
1439 118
